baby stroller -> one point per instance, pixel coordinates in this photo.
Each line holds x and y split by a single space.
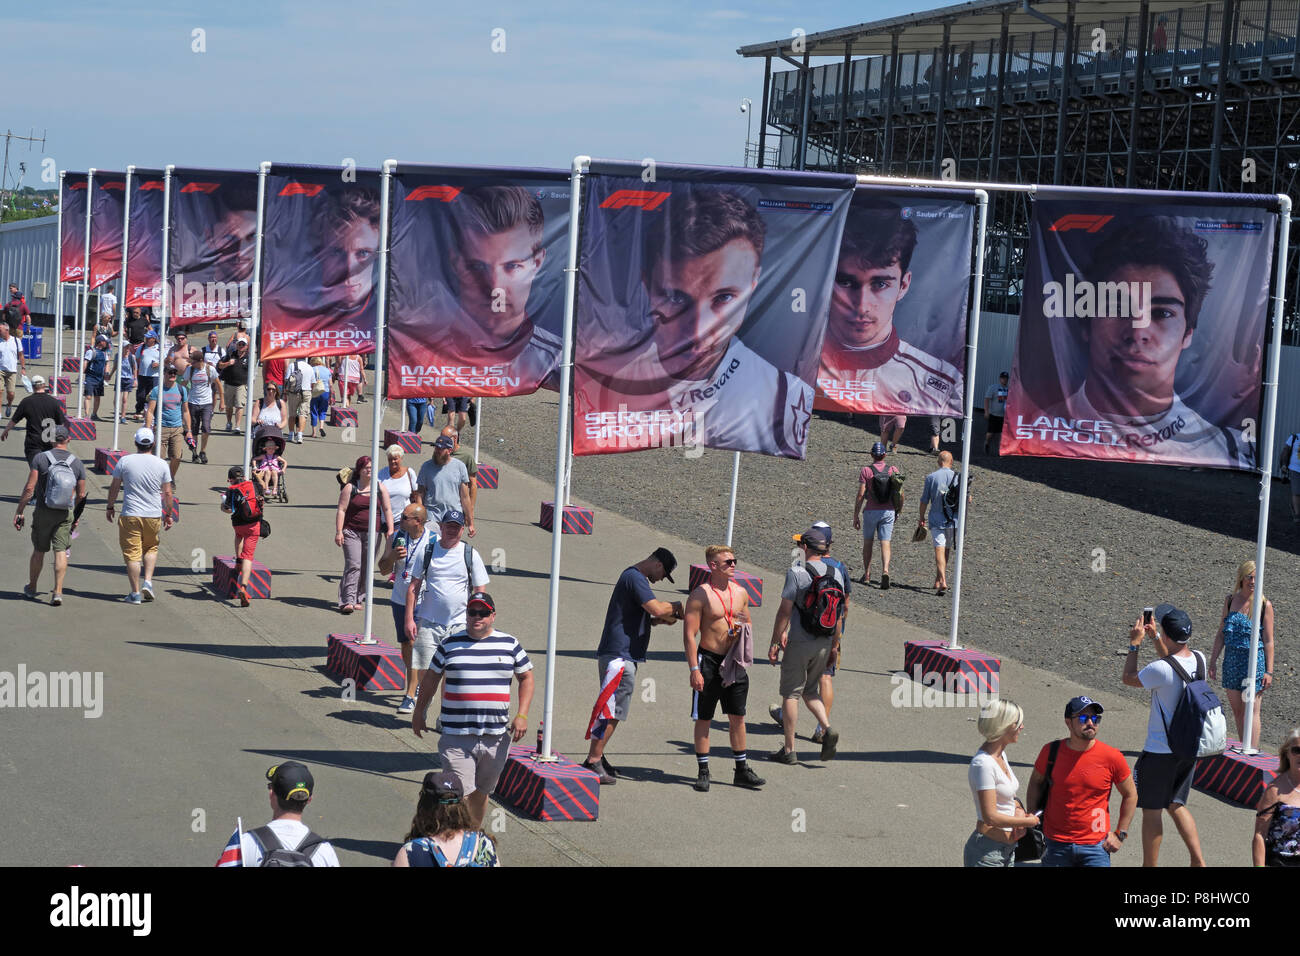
261 435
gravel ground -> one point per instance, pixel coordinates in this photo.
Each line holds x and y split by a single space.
1029 590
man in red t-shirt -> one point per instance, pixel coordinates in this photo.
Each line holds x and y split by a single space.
1076 821
273 373
874 515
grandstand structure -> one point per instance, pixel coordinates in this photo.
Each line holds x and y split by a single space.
1142 94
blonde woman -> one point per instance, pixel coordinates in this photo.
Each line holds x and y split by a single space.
1233 640
1277 824
1000 818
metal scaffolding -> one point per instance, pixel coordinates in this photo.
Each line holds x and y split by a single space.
1140 94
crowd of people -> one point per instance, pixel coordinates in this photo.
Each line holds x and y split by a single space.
444 620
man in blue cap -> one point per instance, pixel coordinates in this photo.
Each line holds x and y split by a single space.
1164 778
874 512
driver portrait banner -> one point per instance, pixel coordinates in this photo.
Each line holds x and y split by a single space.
896 334
107 218
476 280
702 305
320 261
213 243
72 229
1142 329
144 239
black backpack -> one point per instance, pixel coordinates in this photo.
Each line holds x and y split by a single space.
822 605
952 499
275 853
14 315
881 489
428 559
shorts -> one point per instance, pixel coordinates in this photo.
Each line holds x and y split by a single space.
51 529
981 850
94 387
246 536
236 396
173 442
201 418
802 667
399 622
477 759
935 423
1163 779
10 379
995 424
733 697
427 638
891 423
944 536
457 404
137 536
296 406
622 696
878 523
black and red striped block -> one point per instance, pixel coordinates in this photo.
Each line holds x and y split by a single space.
62 385
372 666
225 578
409 441
963 671
106 459
175 509
488 477
575 520
752 584
81 429
1238 777
341 417
70 364
559 790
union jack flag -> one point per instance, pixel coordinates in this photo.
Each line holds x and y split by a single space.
233 854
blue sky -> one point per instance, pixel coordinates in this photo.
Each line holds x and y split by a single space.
318 82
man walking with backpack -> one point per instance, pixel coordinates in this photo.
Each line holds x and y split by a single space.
876 503
1167 765
286 840
57 483
1290 463
942 493
809 625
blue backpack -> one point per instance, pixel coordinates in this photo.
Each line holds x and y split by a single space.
1198 728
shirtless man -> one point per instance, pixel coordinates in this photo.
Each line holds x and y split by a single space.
718 611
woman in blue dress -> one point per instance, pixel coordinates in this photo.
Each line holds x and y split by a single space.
1233 640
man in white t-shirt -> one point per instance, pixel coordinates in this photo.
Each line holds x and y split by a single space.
862 352
290 786
145 482
202 383
12 364
1164 779
108 304
410 538
298 376
441 579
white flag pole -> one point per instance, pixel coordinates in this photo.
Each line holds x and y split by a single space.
164 311
731 508
121 311
255 321
85 281
58 300
972 345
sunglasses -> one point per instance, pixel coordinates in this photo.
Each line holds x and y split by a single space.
729 563
1088 718
1295 751
483 613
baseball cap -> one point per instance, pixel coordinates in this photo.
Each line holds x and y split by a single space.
443 784
878 450
1078 705
821 526
150 334
667 559
38 381
815 539
444 441
484 598
291 781
452 516
1003 375
143 436
1175 623
60 433
101 338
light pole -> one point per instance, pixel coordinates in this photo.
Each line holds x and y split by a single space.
745 104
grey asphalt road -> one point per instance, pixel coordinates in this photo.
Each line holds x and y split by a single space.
200 697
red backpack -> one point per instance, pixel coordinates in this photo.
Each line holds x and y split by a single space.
245 506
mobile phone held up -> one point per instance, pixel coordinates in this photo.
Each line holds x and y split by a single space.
1148 613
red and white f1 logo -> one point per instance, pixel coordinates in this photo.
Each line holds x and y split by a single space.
1079 221
644 199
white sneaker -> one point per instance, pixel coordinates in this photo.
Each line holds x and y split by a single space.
146 591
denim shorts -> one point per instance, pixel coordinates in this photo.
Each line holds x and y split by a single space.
981 850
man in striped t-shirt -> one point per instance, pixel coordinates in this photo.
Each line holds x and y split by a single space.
478 662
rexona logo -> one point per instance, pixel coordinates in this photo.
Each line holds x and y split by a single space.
445 193
113 186
1078 221
301 189
151 184
644 199
200 187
